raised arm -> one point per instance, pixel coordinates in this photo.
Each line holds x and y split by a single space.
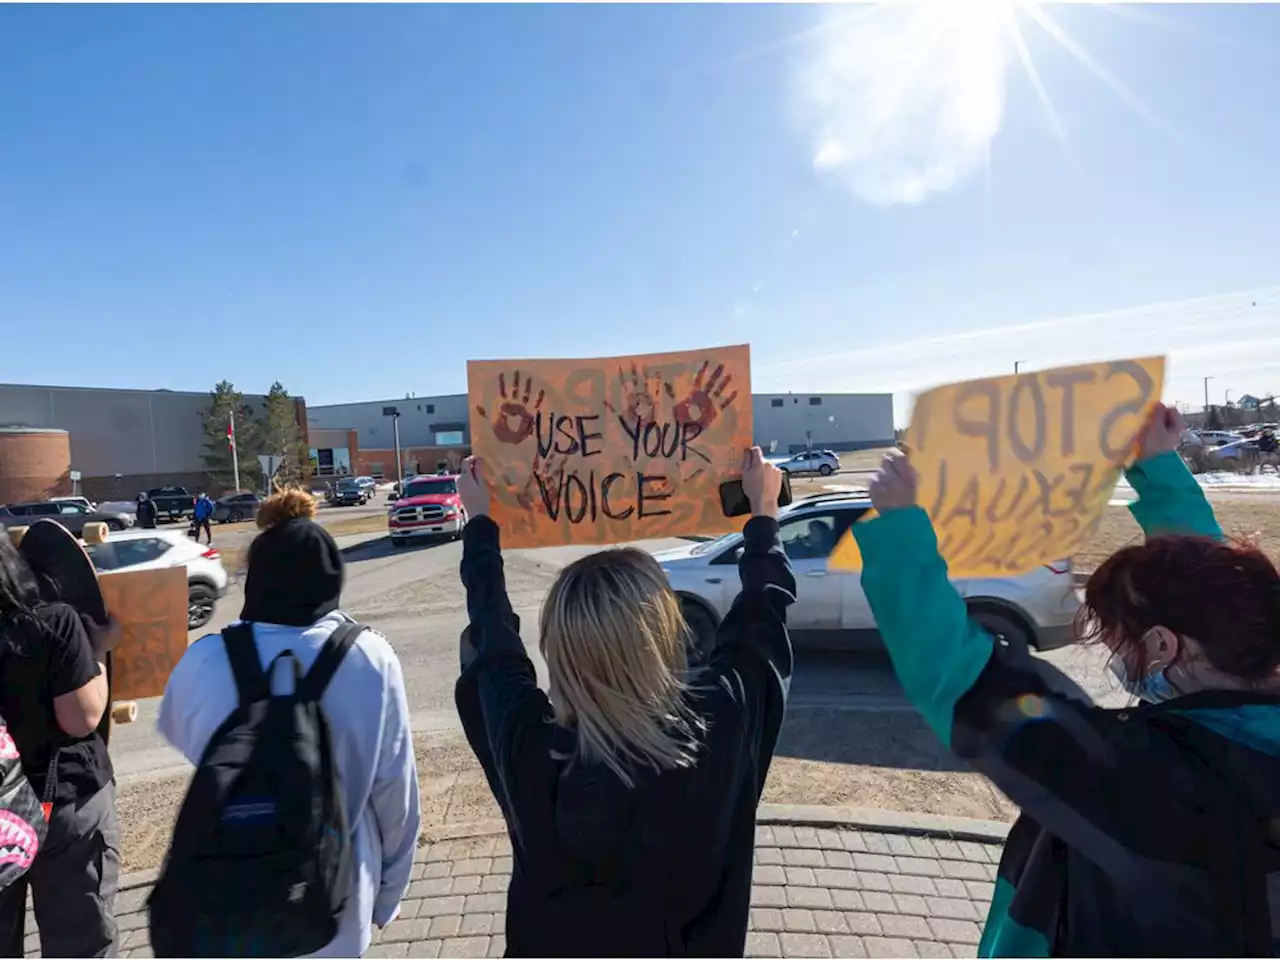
752 660
1170 501
497 694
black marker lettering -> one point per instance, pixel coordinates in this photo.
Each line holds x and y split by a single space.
1120 452
583 436
967 504
564 428
1066 381
987 425
544 448
553 511
604 498
689 432
1027 452
634 435
569 482
993 513
642 495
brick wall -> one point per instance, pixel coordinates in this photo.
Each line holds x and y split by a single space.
426 459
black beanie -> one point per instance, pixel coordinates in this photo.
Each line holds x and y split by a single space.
295 574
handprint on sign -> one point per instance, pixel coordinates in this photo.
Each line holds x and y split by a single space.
514 420
639 395
704 403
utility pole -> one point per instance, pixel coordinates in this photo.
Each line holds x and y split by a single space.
1206 395
1016 365
394 414
235 454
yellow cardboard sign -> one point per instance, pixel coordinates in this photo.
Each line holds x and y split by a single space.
151 606
1016 471
614 449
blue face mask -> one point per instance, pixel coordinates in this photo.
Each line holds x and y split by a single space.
1153 688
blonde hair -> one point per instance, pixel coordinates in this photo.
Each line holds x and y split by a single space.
614 640
283 505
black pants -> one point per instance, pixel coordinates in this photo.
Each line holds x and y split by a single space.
73 884
198 525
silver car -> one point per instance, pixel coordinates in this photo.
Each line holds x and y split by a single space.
1036 609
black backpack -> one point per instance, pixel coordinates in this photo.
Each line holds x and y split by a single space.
260 863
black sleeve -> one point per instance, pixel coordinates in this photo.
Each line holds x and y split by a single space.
497 695
71 663
751 665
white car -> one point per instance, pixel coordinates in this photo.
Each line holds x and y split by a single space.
1036 609
814 461
155 549
1216 438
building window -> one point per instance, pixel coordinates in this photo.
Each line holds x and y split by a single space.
431 408
815 401
775 403
449 438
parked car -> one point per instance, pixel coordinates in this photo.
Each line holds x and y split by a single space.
369 486
429 507
1236 449
814 461
155 549
235 507
1036 609
69 513
347 492
172 503
83 501
1216 438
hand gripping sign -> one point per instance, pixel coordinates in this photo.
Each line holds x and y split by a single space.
1017 471
611 450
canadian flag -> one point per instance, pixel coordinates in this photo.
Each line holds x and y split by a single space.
231 432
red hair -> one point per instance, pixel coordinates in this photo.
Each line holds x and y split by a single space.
1223 595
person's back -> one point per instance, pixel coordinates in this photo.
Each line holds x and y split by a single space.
630 792
291 599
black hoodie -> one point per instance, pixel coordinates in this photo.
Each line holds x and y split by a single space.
600 869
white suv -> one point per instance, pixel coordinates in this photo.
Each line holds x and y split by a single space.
814 461
154 549
1037 609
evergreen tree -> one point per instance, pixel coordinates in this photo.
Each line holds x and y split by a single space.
223 399
280 435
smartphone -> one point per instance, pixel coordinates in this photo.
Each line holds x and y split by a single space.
734 502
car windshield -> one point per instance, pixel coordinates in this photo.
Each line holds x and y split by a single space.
348 485
713 546
427 488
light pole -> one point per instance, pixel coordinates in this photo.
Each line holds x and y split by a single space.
1016 365
1226 396
394 414
1206 395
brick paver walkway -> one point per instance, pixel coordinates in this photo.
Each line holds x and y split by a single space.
818 892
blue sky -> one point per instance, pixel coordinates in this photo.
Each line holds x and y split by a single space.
356 200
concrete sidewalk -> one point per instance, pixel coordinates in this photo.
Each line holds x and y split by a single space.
827 883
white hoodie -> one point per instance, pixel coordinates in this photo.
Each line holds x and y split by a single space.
373 748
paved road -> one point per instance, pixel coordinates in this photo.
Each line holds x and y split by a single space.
413 597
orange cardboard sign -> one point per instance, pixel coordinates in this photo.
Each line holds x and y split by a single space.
151 606
1017 471
611 450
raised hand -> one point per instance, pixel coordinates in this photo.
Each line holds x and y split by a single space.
895 484
761 482
1162 433
473 487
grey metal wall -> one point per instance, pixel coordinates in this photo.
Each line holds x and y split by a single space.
129 432
421 419
840 421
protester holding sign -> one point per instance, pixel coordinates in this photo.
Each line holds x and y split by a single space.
1146 831
630 790
53 693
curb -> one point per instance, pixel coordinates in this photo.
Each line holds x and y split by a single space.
857 818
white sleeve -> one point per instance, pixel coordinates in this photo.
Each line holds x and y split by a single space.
178 707
395 796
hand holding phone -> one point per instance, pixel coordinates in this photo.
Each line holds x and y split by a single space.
759 477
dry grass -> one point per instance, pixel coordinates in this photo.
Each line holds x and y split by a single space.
349 525
1249 517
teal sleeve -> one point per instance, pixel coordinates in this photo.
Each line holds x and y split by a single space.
937 651
1170 501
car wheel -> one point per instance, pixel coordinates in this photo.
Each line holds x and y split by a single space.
200 603
826 470
1006 629
235 517
702 631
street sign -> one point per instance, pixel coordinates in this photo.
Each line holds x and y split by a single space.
75 476
269 464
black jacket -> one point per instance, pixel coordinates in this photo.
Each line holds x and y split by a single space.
663 869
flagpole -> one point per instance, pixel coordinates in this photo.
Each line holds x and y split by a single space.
235 454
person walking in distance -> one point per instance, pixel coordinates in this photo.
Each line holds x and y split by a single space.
53 694
146 512
629 788
201 518
1147 831
291 613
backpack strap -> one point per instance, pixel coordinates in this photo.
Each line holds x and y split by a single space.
242 652
335 648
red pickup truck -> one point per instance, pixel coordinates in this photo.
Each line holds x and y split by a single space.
426 507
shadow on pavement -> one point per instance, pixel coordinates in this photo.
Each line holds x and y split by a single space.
382 547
